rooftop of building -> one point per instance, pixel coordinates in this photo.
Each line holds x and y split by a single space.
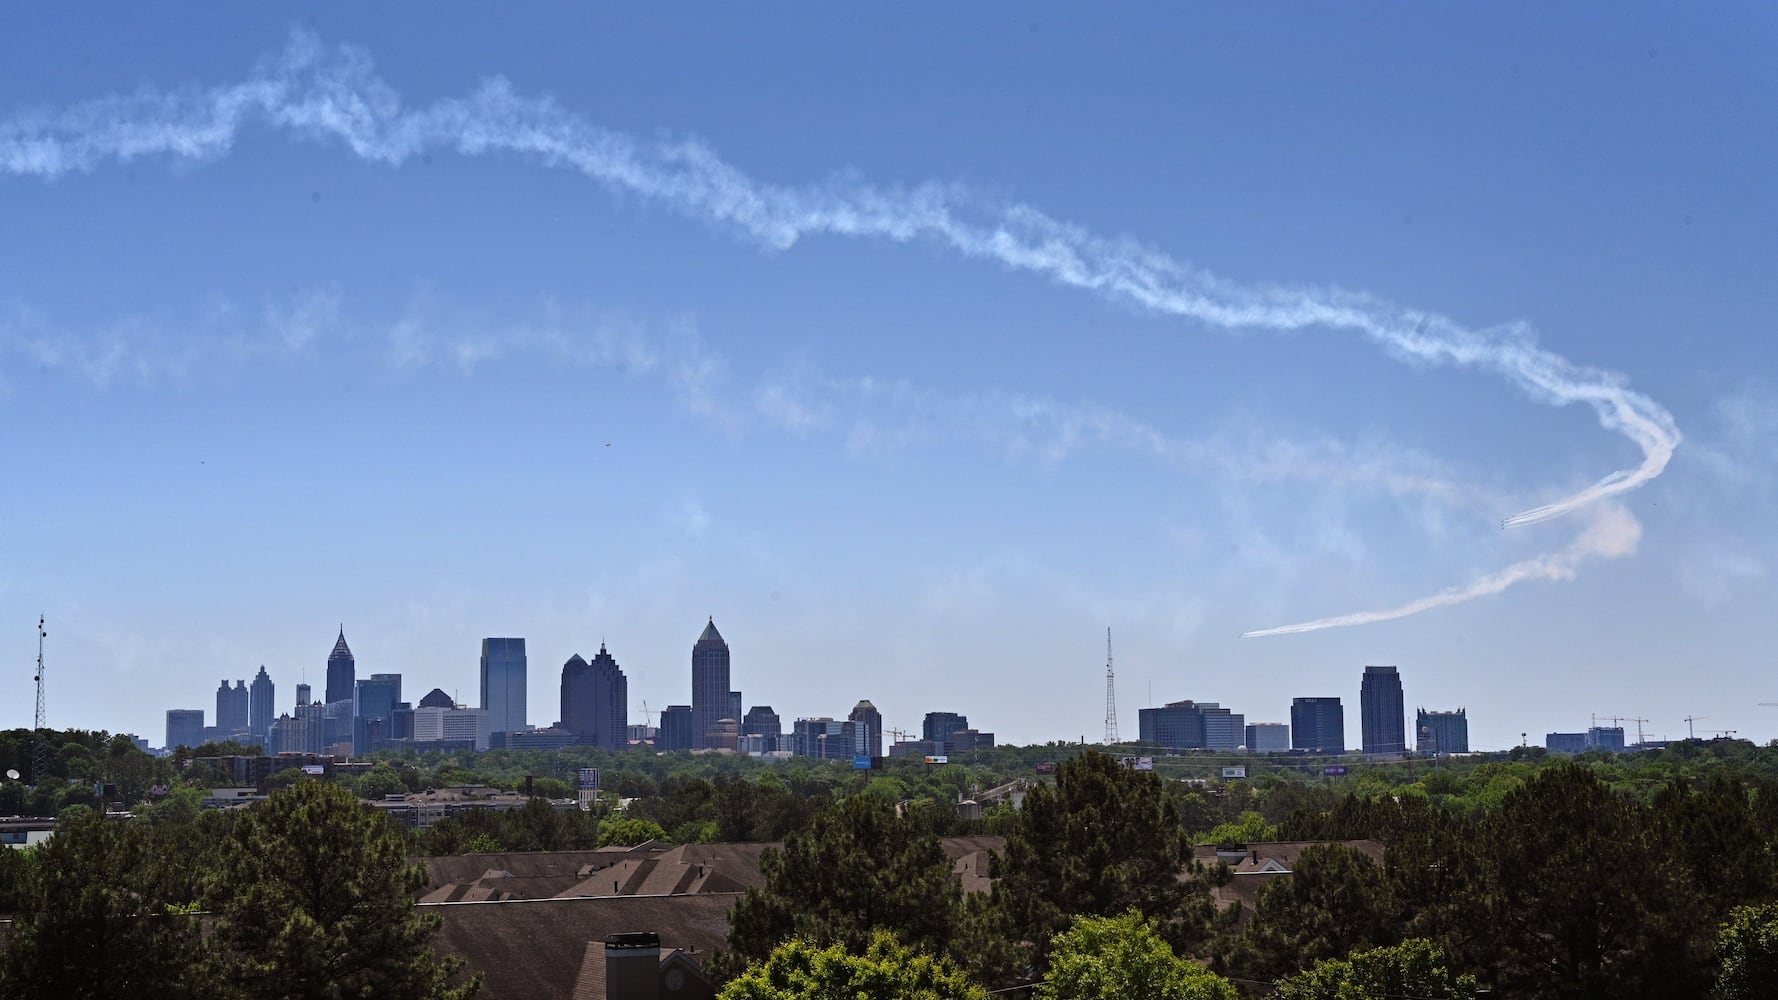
555 947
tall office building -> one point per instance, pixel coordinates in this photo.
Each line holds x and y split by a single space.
1382 713
1441 732
937 728
734 706
298 732
596 701
185 727
232 707
867 730
302 694
675 732
437 698
503 684
342 670
1268 737
1317 725
709 683
459 726
373 710
336 726
1189 725
260 704
763 724
822 737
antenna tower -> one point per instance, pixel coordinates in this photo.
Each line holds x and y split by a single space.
1110 696
40 744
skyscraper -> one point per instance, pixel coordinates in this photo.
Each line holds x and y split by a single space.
763 723
260 704
937 727
1441 732
302 694
596 701
1382 712
185 727
373 708
1189 725
1317 725
867 730
709 683
503 684
342 671
1268 737
675 732
232 707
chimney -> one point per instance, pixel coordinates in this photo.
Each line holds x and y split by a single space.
633 967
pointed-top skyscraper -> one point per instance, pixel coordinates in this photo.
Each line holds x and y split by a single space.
342 670
709 683
260 704
596 701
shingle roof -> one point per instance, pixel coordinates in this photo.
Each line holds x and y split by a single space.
553 948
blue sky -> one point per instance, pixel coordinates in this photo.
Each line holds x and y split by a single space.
917 347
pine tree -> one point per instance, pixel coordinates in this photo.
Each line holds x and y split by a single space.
314 900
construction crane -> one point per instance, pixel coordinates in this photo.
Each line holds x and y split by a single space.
1688 725
1725 733
1639 721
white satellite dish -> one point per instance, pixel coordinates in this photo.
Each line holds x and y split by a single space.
10 773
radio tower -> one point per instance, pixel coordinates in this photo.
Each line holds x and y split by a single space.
40 745
1110 696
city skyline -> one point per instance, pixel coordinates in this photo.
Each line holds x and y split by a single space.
1198 323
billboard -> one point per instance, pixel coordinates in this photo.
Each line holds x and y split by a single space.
315 769
1234 772
1145 763
861 762
589 779
1334 771
938 759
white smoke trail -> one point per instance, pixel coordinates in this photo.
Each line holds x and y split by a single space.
1614 533
334 95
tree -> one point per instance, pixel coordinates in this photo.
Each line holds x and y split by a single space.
858 869
1114 958
1748 944
315 899
626 832
1414 968
1101 841
888 970
94 923
1583 897
380 781
1334 901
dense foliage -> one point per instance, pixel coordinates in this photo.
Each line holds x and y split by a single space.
309 895
1649 875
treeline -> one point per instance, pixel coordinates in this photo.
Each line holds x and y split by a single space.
1565 885
309 894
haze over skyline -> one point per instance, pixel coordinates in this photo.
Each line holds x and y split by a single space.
915 357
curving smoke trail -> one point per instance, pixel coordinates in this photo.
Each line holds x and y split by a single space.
1614 534
333 95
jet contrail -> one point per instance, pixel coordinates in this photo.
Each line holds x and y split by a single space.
1615 534
333 95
